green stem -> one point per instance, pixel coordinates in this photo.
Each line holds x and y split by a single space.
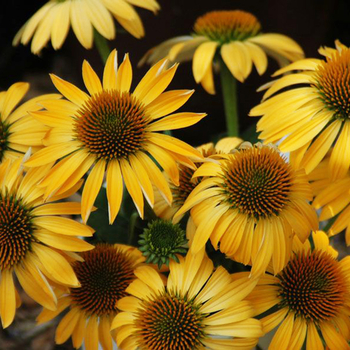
101 45
229 93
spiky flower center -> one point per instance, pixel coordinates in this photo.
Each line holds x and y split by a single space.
333 83
4 134
257 181
186 185
161 241
104 275
313 286
111 125
226 26
16 231
169 322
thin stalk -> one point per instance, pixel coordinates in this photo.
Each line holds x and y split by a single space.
101 45
229 94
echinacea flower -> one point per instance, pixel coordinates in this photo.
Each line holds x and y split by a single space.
114 131
104 275
309 300
198 307
233 35
35 243
313 117
250 207
54 19
18 129
166 211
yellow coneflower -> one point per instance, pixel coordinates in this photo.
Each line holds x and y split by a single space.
104 275
196 308
18 129
236 36
309 299
113 130
35 242
54 19
313 117
250 207
186 183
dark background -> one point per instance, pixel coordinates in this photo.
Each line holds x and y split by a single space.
311 23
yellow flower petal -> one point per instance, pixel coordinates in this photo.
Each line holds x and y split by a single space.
124 75
114 189
176 121
91 80
7 298
36 285
92 188
110 72
63 226
70 91
100 18
66 327
132 185
81 24
12 97
202 58
56 265
91 336
168 102
60 25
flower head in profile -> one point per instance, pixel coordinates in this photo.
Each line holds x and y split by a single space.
197 307
114 131
313 116
35 242
236 37
250 206
18 129
308 300
54 19
104 274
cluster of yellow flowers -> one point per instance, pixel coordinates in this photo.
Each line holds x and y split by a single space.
247 202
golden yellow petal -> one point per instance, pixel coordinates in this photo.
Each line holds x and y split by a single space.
91 79
168 102
56 265
202 59
114 189
92 188
110 71
12 97
66 327
91 336
7 298
124 75
176 121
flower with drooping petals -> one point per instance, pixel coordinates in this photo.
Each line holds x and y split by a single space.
233 35
35 243
114 132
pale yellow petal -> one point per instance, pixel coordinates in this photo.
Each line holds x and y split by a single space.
81 24
202 58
